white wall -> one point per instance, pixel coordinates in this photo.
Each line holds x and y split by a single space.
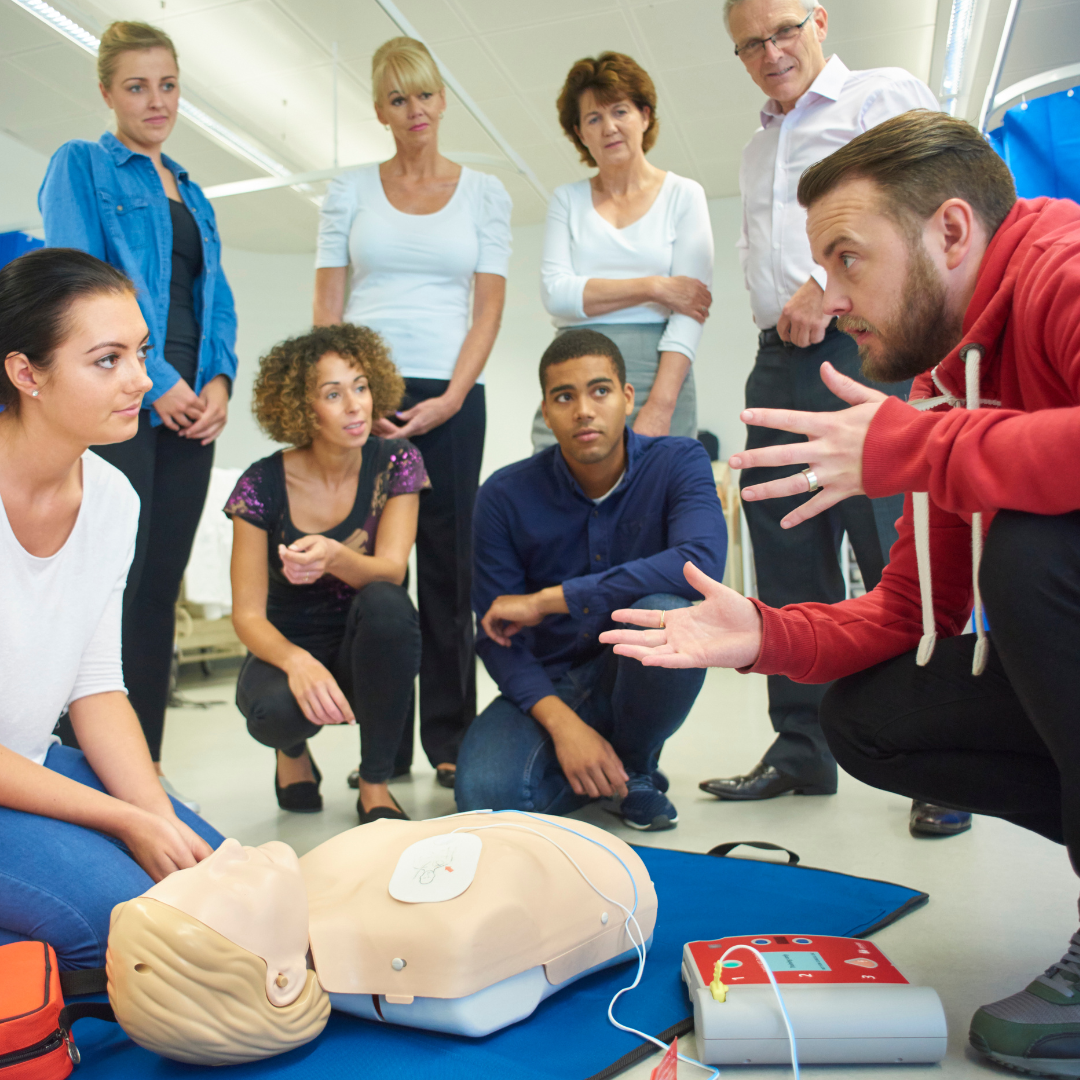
273 299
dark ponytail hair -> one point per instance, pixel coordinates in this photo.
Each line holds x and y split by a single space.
36 293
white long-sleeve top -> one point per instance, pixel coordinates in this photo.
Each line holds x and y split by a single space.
839 105
60 616
412 274
672 239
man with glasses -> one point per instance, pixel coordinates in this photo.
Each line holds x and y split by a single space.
814 107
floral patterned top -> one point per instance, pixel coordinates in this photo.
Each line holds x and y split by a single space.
307 614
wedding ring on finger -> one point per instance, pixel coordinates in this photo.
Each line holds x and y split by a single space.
811 479
662 614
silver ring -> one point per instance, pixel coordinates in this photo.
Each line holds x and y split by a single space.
811 479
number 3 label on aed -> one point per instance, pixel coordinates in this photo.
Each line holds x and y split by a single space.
437 868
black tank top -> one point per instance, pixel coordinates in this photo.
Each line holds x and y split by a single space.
182 331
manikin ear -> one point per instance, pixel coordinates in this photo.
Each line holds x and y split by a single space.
22 374
954 230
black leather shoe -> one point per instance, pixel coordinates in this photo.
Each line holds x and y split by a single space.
764 782
446 777
301 798
930 820
354 777
378 813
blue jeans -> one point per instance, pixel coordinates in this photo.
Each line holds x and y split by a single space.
59 882
508 761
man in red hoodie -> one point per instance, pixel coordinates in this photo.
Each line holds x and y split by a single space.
929 255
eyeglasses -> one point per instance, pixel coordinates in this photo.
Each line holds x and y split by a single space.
755 47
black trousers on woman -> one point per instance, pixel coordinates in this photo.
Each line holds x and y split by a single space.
374 663
452 455
1004 743
170 475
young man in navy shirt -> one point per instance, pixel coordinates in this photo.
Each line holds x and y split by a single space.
605 519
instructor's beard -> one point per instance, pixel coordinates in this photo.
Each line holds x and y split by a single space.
922 332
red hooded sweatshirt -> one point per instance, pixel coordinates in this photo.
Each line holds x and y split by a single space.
1020 450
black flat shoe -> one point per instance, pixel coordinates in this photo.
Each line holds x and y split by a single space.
764 782
930 820
354 777
445 777
379 813
302 797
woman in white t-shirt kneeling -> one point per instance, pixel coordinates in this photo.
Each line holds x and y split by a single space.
629 252
80 830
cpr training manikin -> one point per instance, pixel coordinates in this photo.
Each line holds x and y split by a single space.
461 924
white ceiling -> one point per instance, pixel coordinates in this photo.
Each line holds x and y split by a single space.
264 68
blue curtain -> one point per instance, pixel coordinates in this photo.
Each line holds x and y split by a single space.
1040 142
14 244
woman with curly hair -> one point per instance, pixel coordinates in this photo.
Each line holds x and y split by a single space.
321 540
628 252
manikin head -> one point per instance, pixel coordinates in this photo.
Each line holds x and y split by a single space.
210 964
779 43
586 396
900 218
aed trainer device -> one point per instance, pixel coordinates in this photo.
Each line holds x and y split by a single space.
846 1001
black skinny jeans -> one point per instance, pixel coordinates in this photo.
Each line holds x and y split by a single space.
170 475
1004 743
375 664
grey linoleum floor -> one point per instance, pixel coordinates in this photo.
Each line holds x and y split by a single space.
1003 901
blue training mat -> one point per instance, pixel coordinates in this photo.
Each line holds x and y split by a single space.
569 1036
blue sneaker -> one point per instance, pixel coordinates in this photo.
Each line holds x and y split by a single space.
645 807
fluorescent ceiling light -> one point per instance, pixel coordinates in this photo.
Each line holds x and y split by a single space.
952 76
219 132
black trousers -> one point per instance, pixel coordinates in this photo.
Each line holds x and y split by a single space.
452 455
374 663
170 475
802 564
1007 742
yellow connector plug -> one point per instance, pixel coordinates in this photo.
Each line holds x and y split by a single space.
719 990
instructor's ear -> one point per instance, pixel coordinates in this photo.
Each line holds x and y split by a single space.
955 229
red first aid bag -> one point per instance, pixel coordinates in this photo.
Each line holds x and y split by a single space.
35 1025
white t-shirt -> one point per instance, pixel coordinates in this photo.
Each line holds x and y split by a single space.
60 616
412 273
673 239
839 105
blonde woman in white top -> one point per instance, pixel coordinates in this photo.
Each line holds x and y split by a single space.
80 830
419 236
629 252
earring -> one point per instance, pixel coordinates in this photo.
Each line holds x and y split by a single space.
33 393
441 115
387 126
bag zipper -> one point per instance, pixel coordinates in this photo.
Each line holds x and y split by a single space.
28 1053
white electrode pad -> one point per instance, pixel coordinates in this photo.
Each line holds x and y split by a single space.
436 868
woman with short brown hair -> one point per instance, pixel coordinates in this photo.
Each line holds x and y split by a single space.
629 252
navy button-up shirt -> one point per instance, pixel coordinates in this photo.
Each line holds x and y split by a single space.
534 527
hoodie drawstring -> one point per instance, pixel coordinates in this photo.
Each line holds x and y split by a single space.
921 505
972 358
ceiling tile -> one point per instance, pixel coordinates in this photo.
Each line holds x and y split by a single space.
19 31
514 122
30 102
540 57
473 68
358 26
485 16
665 27
907 49
435 20
65 69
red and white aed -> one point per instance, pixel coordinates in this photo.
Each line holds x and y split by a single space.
847 1002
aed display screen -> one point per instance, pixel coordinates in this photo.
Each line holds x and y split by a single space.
796 961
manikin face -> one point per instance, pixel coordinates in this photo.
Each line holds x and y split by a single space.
883 285
93 390
413 118
256 898
145 96
786 71
342 402
586 408
612 133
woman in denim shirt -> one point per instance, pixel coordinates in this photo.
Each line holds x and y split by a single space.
122 200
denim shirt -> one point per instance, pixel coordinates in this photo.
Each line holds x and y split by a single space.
534 527
108 200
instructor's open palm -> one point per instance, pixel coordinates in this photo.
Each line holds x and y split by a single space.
723 631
